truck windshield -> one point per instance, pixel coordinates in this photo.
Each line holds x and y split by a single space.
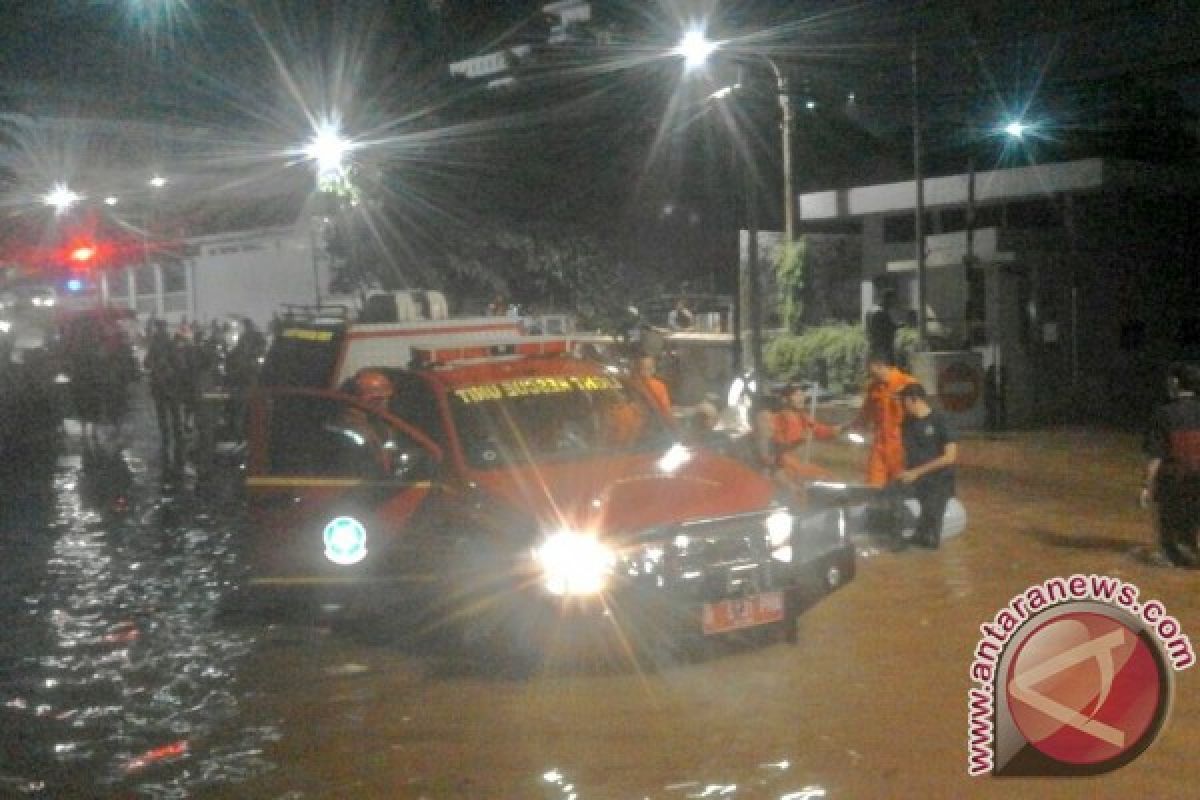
549 418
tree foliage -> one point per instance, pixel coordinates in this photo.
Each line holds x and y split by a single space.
790 265
544 267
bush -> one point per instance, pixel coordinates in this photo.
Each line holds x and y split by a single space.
842 346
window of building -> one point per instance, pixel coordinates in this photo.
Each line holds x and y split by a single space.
144 281
174 278
954 219
899 229
989 217
118 283
1039 213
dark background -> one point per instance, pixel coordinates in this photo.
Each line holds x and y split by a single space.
604 136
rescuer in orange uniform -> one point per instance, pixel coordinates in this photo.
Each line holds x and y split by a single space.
883 413
645 379
781 434
626 420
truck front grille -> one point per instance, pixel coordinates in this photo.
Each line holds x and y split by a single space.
705 560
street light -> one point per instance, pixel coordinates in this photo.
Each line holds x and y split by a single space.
60 198
1014 130
695 49
328 149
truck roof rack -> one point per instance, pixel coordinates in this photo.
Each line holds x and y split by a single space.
316 313
501 349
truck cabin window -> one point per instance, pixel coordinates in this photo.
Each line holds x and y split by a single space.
547 418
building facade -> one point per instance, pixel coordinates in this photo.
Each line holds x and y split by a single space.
1075 281
249 273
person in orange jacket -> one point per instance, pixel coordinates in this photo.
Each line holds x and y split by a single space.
782 432
626 420
645 379
883 413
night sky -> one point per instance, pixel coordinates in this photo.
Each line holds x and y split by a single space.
1104 77
148 54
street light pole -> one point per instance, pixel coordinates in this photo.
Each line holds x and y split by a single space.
755 299
695 49
785 127
919 211
753 266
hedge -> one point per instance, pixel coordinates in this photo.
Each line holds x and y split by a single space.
842 346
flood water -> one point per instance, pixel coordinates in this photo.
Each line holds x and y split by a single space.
118 678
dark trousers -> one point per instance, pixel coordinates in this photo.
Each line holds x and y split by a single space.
931 495
1178 498
169 413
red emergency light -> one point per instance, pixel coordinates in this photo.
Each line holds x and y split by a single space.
83 254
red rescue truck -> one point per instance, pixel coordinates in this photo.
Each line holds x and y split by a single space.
515 491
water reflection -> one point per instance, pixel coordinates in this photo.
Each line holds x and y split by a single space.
769 782
115 677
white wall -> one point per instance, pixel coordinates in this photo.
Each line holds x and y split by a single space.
253 273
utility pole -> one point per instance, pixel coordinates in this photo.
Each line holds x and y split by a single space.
919 222
785 127
755 299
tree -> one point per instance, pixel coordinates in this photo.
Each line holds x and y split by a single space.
790 266
548 266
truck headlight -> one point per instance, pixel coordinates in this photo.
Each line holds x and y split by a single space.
779 528
574 563
779 534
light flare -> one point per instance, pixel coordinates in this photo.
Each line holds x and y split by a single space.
695 48
61 198
575 564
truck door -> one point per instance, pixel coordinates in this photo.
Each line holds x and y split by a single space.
332 488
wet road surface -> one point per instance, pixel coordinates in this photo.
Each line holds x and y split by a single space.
119 679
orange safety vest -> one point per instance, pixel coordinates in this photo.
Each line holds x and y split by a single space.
882 409
658 393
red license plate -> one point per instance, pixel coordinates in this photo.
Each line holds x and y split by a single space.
742 612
